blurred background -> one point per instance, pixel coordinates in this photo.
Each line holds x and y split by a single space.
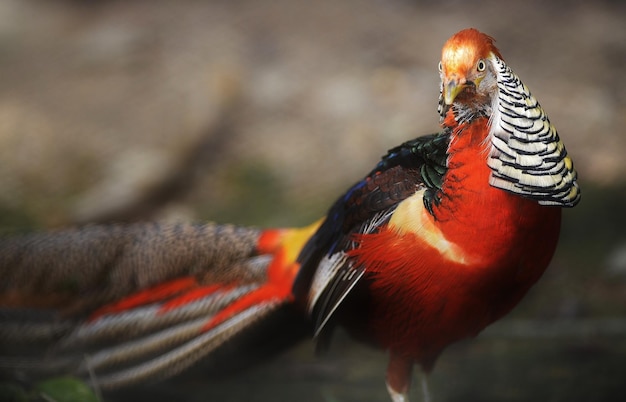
263 112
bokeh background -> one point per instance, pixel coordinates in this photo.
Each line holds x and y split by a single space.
263 112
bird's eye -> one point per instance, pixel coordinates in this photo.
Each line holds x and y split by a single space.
481 66
440 67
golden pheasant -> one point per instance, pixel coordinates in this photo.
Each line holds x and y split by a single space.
443 237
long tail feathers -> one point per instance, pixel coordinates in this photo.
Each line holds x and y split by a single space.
188 312
176 359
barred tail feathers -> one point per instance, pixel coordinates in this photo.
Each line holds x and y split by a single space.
193 290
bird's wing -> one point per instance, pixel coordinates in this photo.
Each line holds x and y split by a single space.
328 272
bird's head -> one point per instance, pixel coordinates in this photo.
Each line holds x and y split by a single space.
465 68
525 153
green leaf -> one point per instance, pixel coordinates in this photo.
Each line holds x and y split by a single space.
65 389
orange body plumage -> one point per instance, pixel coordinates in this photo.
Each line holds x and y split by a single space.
423 300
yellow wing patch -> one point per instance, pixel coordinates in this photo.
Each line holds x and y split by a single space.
293 240
411 217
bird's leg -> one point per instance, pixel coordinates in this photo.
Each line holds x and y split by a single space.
399 373
425 390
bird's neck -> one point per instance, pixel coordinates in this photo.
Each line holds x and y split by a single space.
468 173
467 177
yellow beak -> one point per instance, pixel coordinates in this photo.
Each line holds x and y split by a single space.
451 89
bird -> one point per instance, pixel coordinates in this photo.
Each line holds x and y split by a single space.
443 237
